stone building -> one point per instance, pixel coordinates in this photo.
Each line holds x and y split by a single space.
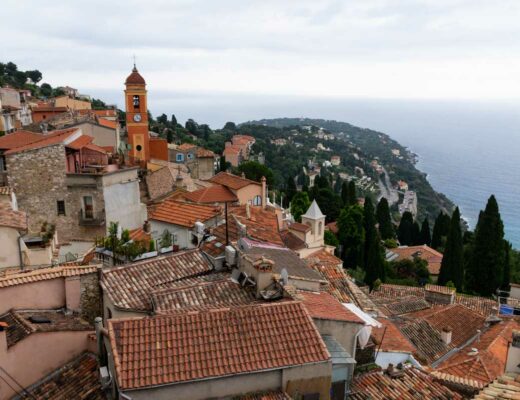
200 161
64 179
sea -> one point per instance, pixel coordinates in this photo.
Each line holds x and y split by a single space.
469 149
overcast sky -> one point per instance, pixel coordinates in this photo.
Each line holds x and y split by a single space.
442 49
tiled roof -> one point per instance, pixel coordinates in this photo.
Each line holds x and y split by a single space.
77 379
424 252
43 274
505 387
324 306
332 226
231 150
80 142
107 123
130 286
489 361
439 289
412 385
186 146
204 153
135 78
12 219
19 325
478 304
390 338
337 282
202 296
389 290
392 306
139 235
211 194
201 345
243 138
268 395
291 240
49 139
464 322
18 139
284 258
232 181
323 257
300 227
181 213
260 225
427 340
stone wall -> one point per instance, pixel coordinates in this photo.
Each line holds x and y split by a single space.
39 180
90 297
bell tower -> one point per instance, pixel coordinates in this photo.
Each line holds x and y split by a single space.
137 117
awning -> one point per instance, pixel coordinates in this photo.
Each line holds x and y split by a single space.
363 315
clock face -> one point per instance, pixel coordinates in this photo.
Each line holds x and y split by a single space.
137 117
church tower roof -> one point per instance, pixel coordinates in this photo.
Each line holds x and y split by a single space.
314 212
135 78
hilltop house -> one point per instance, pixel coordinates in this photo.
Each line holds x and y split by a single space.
246 190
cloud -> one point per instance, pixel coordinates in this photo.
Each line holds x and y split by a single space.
362 48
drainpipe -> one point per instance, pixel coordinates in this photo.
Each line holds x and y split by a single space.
20 251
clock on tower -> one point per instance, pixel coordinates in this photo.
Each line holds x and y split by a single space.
137 117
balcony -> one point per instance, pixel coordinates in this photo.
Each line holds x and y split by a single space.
91 218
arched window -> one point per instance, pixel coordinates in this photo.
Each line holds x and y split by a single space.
257 201
310 226
136 101
320 228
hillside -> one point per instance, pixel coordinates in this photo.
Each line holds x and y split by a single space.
373 159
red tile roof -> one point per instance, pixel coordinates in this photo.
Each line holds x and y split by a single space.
412 385
12 219
390 338
80 142
18 139
211 194
505 387
202 345
232 181
130 286
332 226
324 306
78 379
299 227
291 240
181 213
231 150
186 146
43 274
202 296
427 340
487 364
107 123
269 395
139 235
135 78
323 257
50 139
204 153
431 256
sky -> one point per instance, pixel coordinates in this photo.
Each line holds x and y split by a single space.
404 49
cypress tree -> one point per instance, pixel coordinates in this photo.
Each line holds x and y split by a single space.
404 231
440 230
369 222
486 268
352 193
338 185
375 264
344 194
416 234
291 189
425 233
351 235
452 266
386 228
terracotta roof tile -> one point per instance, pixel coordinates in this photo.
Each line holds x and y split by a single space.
181 213
5 190
204 345
130 286
333 227
43 274
49 139
424 252
204 153
291 240
78 379
427 340
139 235
299 227
202 296
211 194
12 219
135 78
107 123
18 139
186 146
80 142
268 395
390 338
412 385
324 306
232 181
505 387
488 363
323 257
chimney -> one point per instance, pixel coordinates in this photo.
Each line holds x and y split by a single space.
243 175
446 334
248 211
147 227
513 354
3 338
264 191
264 274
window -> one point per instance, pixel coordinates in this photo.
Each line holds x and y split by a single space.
320 227
138 147
61 207
257 201
88 209
190 156
180 157
136 101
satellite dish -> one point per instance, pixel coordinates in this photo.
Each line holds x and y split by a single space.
285 277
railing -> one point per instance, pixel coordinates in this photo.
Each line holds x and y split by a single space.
91 218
